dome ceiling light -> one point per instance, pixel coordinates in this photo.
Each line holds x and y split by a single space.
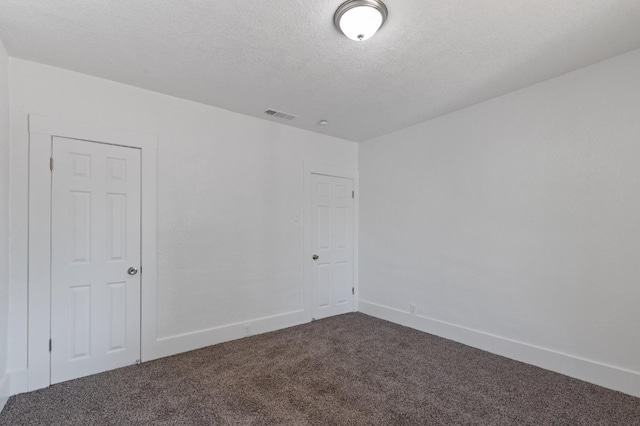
360 19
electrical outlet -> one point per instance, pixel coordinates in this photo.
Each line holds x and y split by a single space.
247 329
412 309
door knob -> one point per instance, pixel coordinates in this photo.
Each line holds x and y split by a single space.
132 271
315 257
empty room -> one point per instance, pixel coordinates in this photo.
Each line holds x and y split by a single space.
361 212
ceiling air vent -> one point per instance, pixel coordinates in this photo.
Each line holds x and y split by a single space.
280 114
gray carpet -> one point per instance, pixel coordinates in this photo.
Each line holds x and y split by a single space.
347 370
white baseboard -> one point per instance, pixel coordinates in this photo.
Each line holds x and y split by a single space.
19 381
608 376
173 345
5 390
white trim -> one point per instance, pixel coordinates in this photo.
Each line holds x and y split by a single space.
199 339
5 390
19 381
307 250
323 169
605 375
41 132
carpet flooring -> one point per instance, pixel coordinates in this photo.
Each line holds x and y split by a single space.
347 370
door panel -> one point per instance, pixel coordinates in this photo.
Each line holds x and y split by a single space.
332 240
95 238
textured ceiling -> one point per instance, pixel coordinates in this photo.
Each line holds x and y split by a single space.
430 58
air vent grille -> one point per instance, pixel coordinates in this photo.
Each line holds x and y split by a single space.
280 114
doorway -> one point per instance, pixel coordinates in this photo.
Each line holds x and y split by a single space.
92 250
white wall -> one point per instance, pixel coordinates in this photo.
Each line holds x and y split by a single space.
514 225
229 187
4 220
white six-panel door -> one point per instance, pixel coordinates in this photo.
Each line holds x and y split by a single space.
95 226
332 241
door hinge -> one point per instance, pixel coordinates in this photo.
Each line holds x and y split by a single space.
353 290
51 163
353 194
50 346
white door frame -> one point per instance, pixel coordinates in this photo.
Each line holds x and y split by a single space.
311 169
41 133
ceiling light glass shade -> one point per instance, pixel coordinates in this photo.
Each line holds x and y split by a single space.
360 19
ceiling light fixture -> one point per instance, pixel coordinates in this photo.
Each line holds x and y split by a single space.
360 19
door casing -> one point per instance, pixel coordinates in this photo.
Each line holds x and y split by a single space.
41 133
309 170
